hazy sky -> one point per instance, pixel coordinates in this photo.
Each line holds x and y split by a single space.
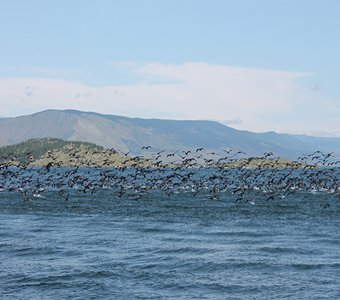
258 65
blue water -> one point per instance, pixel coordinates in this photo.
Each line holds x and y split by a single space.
101 246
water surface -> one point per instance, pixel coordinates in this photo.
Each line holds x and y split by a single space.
101 246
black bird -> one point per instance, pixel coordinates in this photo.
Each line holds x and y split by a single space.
171 154
48 166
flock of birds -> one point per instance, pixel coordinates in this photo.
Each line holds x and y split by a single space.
194 171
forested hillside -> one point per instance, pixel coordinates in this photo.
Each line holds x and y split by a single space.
37 148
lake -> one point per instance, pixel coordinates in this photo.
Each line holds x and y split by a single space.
101 246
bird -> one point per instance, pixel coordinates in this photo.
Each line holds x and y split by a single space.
193 171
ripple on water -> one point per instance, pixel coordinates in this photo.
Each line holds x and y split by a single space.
161 248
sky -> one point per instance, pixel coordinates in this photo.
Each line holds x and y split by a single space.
258 65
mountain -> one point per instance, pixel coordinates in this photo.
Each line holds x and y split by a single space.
131 134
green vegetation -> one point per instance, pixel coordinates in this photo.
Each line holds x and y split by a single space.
57 152
37 148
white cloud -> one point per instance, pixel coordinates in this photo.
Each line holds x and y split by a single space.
263 99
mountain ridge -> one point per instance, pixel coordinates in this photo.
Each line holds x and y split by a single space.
131 134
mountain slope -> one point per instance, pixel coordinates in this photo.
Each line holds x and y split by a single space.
130 134
57 152
37 148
